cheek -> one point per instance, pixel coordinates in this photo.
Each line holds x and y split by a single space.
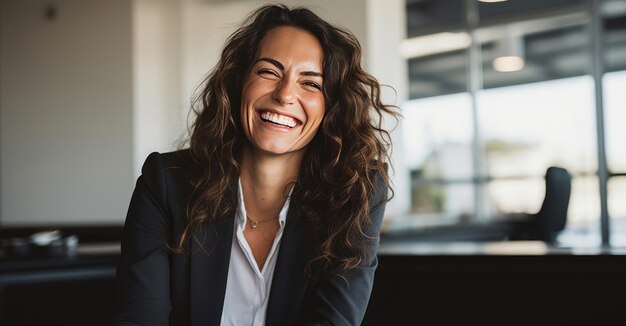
249 95
315 108
253 89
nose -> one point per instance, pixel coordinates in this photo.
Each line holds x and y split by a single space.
284 93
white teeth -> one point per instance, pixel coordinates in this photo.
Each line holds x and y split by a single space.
279 119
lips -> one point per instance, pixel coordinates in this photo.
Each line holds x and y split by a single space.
279 119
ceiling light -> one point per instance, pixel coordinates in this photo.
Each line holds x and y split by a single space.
509 51
508 63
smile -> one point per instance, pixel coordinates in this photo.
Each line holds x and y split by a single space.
278 119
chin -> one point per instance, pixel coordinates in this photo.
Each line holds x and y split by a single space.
277 149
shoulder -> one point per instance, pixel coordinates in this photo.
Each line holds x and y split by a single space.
167 171
378 198
159 162
380 181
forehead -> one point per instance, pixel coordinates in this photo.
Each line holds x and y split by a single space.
289 45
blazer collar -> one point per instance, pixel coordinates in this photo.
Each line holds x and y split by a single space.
209 272
210 257
289 284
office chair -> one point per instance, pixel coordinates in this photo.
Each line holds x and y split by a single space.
550 220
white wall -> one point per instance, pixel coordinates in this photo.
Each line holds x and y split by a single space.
65 108
386 28
157 103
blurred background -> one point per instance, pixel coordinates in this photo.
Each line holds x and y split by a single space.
510 144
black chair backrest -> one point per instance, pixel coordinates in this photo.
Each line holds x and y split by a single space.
552 216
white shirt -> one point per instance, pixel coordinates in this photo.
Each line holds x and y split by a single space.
248 286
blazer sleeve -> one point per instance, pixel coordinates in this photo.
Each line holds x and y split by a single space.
142 278
336 302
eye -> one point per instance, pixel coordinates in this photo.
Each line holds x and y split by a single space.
267 72
312 84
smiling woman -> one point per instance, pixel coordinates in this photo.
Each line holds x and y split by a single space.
282 100
273 215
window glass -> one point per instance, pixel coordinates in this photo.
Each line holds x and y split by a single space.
430 16
614 28
510 196
532 112
450 201
614 44
617 210
438 137
545 51
583 218
438 74
615 117
527 128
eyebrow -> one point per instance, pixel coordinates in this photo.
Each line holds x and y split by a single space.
282 68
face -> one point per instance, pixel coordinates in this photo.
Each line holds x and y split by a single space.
282 100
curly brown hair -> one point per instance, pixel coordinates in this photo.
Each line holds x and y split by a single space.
348 155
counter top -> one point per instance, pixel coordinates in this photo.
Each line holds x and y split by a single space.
524 248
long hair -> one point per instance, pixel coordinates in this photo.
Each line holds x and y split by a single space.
337 176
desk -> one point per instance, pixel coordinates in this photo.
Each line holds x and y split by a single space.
455 283
59 290
496 283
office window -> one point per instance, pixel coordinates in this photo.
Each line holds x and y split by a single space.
440 134
439 155
617 204
438 74
617 210
614 44
527 128
614 24
583 218
506 196
549 48
614 119
530 113
431 16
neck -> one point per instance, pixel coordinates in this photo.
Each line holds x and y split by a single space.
265 179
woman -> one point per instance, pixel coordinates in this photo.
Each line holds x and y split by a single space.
272 216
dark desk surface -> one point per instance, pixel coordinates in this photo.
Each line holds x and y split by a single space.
442 283
495 248
90 261
497 283
59 290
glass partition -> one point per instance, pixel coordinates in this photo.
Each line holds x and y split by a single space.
494 130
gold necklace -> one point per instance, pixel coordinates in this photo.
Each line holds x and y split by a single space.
254 223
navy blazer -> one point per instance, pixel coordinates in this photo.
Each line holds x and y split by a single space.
156 287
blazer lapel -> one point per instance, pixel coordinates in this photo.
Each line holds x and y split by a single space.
209 273
289 283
